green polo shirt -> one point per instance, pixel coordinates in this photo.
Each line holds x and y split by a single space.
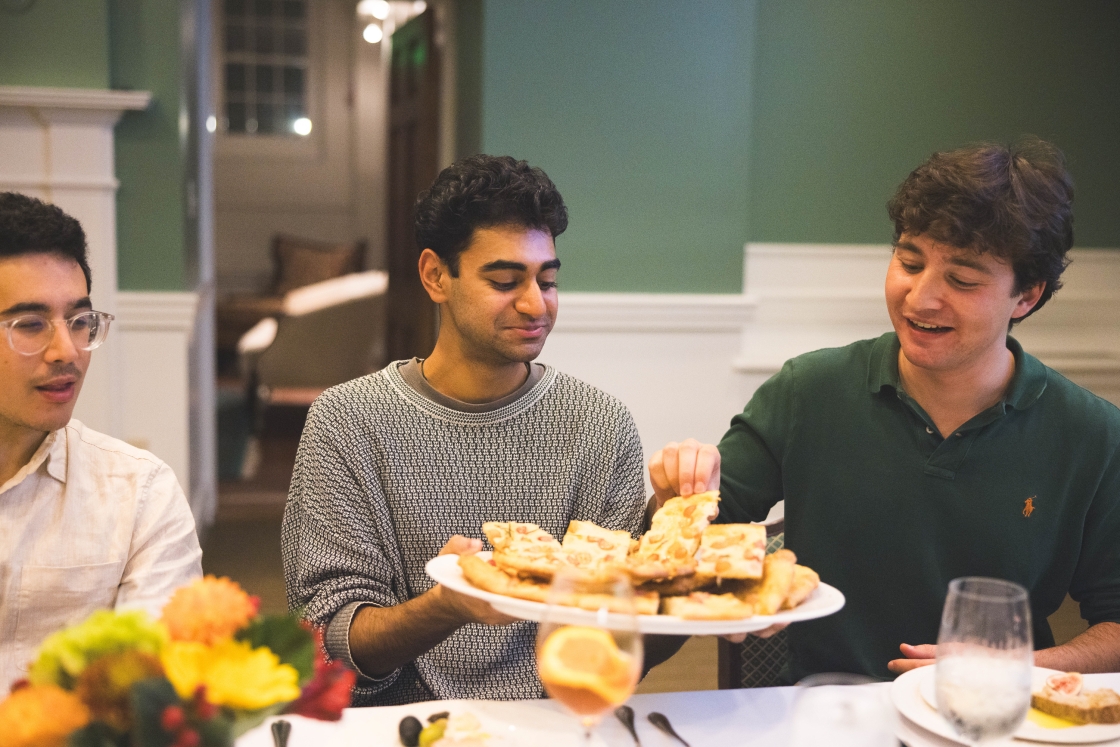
889 512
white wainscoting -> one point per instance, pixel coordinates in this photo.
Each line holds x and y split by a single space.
685 364
153 331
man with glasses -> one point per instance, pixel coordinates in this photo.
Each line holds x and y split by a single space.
87 522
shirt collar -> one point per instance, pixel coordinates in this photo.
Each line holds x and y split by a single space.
52 451
1027 383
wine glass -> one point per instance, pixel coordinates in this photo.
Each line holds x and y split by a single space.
984 658
840 709
589 650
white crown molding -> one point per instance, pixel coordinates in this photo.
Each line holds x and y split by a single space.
653 312
164 311
74 98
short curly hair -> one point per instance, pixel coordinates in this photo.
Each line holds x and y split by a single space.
481 192
1015 202
31 226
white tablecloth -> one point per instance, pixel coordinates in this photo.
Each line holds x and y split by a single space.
708 718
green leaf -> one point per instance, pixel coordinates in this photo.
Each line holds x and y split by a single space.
97 735
149 698
287 638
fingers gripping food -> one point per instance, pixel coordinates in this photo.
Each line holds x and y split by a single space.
724 573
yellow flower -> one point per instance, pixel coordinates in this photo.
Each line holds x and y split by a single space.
208 610
233 673
40 716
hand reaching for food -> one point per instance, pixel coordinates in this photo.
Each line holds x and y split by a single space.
682 469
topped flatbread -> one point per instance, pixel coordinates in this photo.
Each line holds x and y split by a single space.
590 547
523 548
732 551
667 549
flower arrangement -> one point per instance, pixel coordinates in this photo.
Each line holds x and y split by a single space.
209 670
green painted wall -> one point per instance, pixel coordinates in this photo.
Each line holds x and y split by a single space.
639 111
678 132
150 165
849 97
60 43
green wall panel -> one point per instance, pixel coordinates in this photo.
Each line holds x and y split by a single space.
639 111
149 159
849 97
59 43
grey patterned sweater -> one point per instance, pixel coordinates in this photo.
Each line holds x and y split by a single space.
384 476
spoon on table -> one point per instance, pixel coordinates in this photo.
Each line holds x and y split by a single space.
625 714
662 722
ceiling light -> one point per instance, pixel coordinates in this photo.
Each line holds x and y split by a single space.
211 123
373 33
302 126
377 8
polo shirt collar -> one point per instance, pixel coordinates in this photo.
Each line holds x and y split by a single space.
1027 384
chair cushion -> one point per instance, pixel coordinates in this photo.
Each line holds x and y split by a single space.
300 262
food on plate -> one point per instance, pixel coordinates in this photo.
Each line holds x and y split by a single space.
590 547
668 549
489 577
1063 696
768 594
682 566
522 547
584 668
700 605
732 551
805 582
443 730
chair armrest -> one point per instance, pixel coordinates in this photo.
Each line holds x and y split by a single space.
336 291
259 337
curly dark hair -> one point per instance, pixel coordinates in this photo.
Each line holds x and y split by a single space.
481 192
1015 202
31 226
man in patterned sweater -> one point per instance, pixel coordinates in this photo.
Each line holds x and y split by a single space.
398 466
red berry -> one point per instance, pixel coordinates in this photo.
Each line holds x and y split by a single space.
187 738
172 719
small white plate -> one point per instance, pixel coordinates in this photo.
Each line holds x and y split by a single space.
444 569
915 695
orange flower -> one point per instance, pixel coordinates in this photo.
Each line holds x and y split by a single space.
209 610
40 716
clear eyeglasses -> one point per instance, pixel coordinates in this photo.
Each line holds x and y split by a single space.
31 334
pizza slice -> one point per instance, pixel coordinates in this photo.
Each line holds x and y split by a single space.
805 582
486 575
768 594
592 548
700 605
732 551
667 549
523 548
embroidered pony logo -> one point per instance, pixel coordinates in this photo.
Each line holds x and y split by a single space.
1028 507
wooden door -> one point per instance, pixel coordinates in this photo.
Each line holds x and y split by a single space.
413 164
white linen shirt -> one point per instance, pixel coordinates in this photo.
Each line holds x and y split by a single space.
89 523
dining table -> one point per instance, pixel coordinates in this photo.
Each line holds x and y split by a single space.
757 717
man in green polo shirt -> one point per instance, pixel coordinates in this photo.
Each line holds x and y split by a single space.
941 449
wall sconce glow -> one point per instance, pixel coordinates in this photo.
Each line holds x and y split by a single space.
302 126
377 8
419 7
373 33
211 123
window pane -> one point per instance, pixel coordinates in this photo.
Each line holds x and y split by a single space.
235 38
263 8
265 79
235 114
293 81
294 9
295 41
235 7
264 38
235 77
266 122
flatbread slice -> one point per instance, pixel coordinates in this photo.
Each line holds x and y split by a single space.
592 548
523 548
667 549
700 605
769 594
732 551
805 582
489 577
680 586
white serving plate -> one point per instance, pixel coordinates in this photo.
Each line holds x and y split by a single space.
915 696
444 569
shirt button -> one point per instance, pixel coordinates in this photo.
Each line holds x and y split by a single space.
957 435
929 430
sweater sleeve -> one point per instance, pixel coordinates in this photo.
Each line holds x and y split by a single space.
751 450
626 493
333 551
